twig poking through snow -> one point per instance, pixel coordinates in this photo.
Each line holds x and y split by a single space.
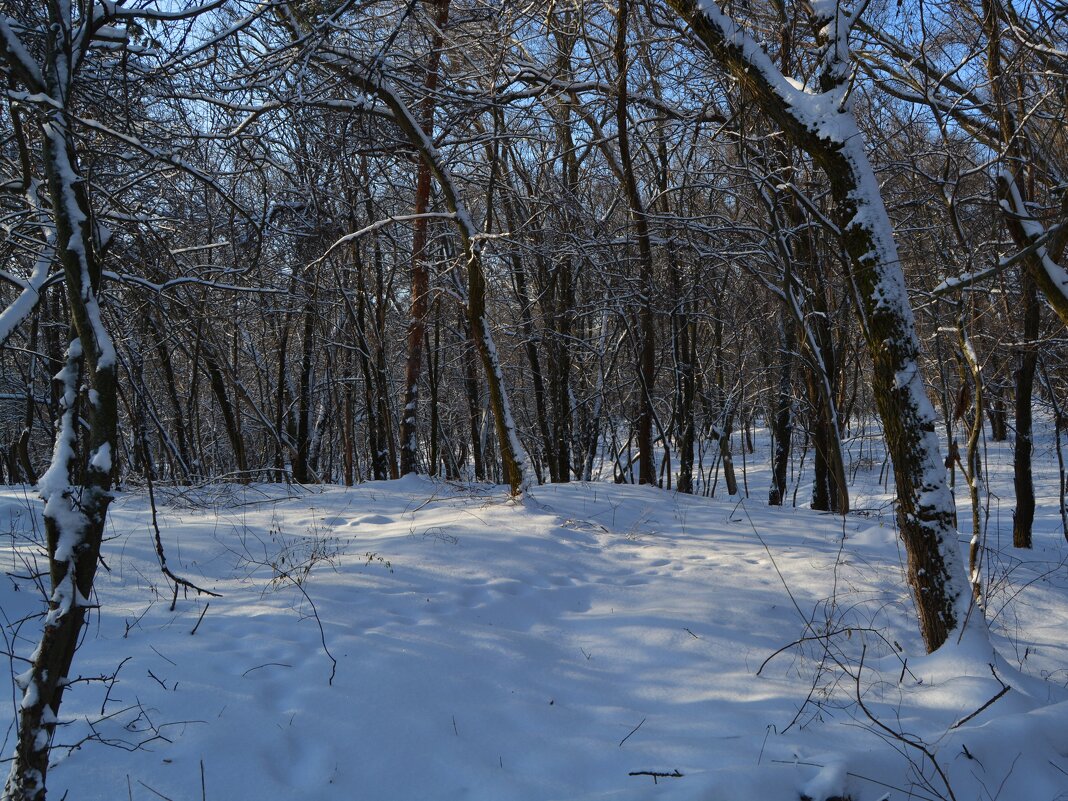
267 664
631 732
322 632
203 612
656 774
160 554
1004 689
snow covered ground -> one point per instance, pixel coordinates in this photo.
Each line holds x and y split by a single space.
415 640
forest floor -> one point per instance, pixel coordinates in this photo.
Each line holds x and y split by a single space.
417 640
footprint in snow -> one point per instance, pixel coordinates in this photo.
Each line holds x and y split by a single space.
300 760
372 520
509 587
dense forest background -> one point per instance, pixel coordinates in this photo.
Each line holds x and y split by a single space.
286 285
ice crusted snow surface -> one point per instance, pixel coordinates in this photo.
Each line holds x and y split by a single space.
546 650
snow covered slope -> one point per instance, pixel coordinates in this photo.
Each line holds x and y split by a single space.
487 649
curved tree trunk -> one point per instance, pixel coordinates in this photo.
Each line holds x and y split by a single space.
76 495
818 123
519 471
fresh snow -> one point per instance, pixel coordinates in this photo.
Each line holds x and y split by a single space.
101 459
545 649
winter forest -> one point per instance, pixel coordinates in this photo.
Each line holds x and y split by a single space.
459 399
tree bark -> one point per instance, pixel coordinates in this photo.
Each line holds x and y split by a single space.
409 440
302 472
218 388
75 506
474 402
646 349
783 421
828 133
1024 516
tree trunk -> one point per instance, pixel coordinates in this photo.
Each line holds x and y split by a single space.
783 421
375 446
687 390
474 403
218 388
646 349
163 353
75 506
1024 516
997 414
434 379
970 369
830 135
562 314
409 440
530 342
302 472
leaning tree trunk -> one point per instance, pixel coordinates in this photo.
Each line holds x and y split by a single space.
76 491
820 123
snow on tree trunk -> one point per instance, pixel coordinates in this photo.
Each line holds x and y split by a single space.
517 465
75 507
818 120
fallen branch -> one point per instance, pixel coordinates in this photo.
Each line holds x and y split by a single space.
203 612
1004 689
656 774
160 555
631 732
